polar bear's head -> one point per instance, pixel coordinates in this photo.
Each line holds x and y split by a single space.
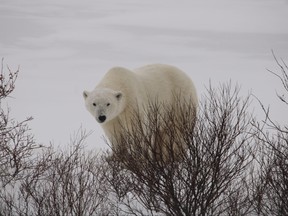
104 104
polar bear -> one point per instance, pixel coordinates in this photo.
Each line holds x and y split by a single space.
121 92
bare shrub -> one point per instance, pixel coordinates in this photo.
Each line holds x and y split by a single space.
7 85
68 182
270 191
206 178
158 136
42 180
16 142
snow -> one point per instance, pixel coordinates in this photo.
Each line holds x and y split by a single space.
64 47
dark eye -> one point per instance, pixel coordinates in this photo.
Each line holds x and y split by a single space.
108 104
94 104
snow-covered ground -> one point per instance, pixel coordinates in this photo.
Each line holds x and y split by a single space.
64 47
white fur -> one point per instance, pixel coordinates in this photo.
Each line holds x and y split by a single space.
125 90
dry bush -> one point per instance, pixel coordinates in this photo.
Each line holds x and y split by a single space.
158 135
65 183
270 184
206 178
42 180
7 84
16 142
69 182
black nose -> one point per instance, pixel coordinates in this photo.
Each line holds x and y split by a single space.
102 118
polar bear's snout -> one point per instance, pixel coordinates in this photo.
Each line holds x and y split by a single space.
101 118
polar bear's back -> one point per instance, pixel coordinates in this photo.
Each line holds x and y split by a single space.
162 81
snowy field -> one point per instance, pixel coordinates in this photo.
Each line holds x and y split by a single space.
64 47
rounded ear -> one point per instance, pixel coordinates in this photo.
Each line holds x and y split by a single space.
85 94
118 95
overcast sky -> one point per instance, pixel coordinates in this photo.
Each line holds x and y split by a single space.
64 47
